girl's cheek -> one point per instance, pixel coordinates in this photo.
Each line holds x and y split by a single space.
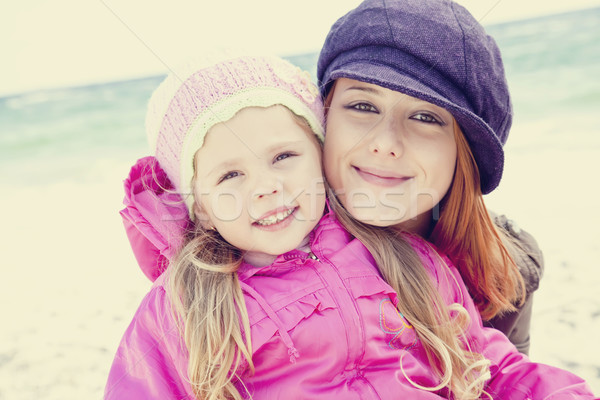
225 205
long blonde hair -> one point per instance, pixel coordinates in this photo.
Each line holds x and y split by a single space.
462 371
439 327
209 304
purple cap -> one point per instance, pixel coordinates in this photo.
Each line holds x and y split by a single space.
433 50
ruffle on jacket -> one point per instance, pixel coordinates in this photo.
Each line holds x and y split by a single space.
155 217
273 321
267 322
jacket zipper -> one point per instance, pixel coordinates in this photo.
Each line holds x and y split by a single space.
351 318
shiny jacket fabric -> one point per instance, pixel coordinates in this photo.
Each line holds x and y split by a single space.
155 221
324 325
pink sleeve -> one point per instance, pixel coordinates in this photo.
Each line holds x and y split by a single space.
513 375
151 361
155 218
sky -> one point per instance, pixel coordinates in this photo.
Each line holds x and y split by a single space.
57 43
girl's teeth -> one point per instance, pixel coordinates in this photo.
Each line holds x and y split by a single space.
275 218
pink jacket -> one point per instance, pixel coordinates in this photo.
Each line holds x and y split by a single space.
324 325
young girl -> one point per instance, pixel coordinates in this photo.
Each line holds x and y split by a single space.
265 299
418 110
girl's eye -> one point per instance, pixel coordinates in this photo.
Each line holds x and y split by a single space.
427 118
283 156
229 175
362 107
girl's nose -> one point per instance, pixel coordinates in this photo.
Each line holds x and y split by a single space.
267 186
260 195
386 140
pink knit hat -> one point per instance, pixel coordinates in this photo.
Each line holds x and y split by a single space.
188 103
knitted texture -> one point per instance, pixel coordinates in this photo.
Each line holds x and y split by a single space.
433 50
188 103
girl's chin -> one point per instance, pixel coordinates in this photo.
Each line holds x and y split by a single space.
392 217
420 224
377 219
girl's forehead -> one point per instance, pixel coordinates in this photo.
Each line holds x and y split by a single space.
256 127
253 133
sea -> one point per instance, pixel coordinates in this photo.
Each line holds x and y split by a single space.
552 64
70 284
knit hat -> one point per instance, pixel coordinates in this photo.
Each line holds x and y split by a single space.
433 50
188 103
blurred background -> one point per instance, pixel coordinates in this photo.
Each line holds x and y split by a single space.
74 83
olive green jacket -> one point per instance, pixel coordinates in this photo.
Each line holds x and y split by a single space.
528 257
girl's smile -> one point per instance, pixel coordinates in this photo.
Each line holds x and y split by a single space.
381 177
389 157
258 181
276 219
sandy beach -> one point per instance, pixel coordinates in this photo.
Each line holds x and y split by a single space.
71 284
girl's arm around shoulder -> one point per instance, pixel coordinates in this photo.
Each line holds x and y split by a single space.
151 361
513 375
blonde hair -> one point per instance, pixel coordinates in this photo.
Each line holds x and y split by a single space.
463 372
209 305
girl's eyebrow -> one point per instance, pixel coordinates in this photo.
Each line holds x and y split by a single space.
233 162
279 146
227 164
367 89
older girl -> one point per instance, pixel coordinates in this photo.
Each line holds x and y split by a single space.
418 109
